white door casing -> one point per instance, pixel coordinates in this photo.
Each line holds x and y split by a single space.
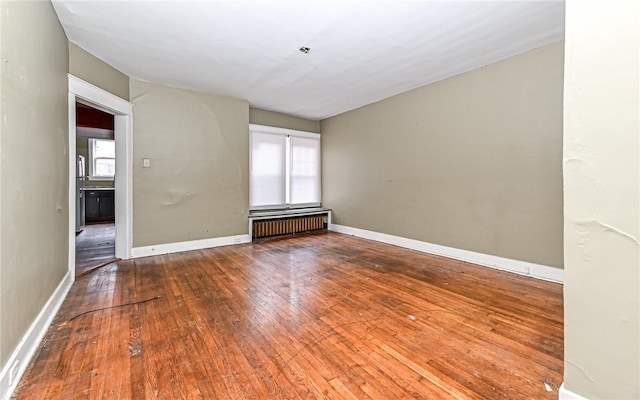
122 111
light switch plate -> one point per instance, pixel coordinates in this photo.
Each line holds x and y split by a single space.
146 163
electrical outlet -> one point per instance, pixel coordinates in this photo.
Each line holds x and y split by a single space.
13 372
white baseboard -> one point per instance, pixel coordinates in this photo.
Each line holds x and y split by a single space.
29 343
506 264
177 247
564 394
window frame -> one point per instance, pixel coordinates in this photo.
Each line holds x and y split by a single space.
92 160
288 133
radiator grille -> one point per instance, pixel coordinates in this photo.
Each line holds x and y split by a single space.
287 226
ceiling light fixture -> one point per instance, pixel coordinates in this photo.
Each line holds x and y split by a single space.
305 50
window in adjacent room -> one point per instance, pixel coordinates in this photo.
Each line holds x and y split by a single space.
285 168
102 159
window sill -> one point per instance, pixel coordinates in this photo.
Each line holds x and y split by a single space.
255 214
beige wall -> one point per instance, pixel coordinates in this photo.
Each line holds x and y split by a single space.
197 186
33 174
95 71
602 200
280 120
472 162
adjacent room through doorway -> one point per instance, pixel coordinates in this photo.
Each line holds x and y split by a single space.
95 189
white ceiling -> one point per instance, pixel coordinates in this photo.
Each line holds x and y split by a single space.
361 51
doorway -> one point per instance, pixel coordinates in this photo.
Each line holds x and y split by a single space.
85 96
95 190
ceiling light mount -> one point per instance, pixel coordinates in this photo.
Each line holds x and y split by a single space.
305 50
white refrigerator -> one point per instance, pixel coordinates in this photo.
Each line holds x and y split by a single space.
80 175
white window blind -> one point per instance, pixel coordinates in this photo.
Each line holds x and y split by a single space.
102 155
268 174
285 168
304 185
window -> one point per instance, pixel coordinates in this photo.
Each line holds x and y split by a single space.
102 159
285 168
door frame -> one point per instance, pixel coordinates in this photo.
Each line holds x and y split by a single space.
122 110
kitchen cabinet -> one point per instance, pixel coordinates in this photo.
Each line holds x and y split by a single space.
99 206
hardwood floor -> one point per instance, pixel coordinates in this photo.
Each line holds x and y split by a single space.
95 245
324 316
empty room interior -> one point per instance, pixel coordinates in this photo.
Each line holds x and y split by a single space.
320 199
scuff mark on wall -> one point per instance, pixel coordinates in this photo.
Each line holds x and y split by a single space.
581 369
606 228
176 197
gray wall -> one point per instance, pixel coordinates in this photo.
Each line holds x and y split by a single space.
602 200
280 120
197 186
33 173
471 162
95 71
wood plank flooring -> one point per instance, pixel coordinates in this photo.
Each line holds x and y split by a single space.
95 245
325 316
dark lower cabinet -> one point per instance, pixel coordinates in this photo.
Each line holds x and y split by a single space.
99 206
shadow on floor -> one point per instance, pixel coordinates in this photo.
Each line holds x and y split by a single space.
95 245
